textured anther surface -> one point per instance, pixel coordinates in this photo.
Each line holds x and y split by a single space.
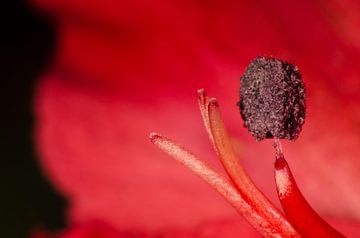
272 99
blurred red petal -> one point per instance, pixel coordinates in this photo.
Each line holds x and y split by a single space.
102 160
124 68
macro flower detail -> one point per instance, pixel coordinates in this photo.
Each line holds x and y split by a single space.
118 72
240 191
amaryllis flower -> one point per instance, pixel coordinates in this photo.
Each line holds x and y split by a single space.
125 68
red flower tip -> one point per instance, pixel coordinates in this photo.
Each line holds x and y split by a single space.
154 137
201 92
213 102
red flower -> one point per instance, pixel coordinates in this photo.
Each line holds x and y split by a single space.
125 68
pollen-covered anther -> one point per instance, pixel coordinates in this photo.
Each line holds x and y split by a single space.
272 99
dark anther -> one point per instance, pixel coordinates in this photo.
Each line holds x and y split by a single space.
272 99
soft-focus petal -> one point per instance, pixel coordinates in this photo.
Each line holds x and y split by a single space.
108 168
125 68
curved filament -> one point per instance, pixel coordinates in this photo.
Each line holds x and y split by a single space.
298 211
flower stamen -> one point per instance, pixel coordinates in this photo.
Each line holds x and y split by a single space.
262 206
298 211
220 184
242 194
